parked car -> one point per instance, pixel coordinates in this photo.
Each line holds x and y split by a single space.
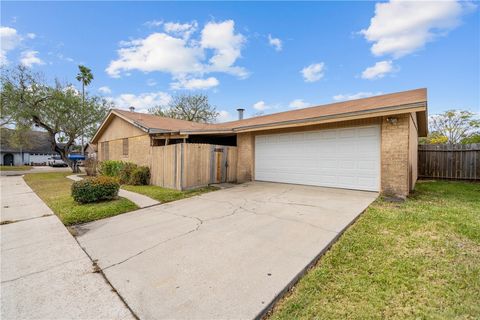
56 161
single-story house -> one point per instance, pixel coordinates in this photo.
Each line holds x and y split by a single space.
365 144
35 150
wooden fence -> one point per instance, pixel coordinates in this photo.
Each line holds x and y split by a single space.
444 161
190 165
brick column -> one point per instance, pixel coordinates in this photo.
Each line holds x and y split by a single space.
395 156
245 149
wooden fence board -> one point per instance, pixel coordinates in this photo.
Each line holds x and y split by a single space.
443 161
190 165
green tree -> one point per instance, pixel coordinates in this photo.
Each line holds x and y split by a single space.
56 109
84 76
454 126
191 107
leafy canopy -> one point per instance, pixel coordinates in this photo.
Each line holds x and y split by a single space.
454 126
27 101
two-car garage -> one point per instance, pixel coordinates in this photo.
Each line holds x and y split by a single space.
342 157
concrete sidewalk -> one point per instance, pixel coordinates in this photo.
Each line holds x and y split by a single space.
44 273
139 199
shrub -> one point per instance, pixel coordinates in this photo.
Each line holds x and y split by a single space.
91 166
111 168
126 172
140 176
95 189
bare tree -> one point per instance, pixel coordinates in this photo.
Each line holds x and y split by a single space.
193 107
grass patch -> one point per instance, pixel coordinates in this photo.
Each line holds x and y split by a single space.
54 189
167 195
418 260
15 168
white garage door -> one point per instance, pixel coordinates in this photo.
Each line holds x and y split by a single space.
343 158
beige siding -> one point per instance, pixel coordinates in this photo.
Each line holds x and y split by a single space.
413 150
118 129
139 150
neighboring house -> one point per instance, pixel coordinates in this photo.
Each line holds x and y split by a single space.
36 149
365 144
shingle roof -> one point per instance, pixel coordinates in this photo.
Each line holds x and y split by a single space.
339 108
35 142
150 121
367 106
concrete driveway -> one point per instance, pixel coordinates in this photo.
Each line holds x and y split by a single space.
222 255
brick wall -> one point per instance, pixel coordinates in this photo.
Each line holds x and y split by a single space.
245 149
395 156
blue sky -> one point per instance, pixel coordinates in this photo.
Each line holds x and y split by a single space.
262 56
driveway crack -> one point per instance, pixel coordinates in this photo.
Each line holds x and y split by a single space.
161 242
40 271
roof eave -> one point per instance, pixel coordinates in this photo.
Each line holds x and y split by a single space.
413 107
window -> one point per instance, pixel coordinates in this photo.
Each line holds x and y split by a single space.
105 150
125 147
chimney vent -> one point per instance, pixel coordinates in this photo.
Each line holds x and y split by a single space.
132 109
240 113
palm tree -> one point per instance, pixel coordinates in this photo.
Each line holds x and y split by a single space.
85 76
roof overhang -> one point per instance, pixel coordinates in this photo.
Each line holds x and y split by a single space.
420 108
111 114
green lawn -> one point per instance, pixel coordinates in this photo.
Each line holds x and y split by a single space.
15 168
414 260
54 189
166 195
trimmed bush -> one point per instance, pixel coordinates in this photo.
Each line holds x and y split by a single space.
95 189
140 176
126 172
111 168
91 166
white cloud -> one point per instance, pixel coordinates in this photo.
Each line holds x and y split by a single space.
402 27
313 72
275 42
157 52
181 29
31 35
193 84
105 90
216 49
224 116
153 23
298 104
29 58
227 47
353 96
261 106
10 39
379 70
142 102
